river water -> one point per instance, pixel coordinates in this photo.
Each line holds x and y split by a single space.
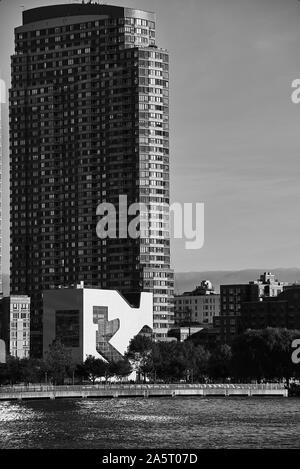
186 423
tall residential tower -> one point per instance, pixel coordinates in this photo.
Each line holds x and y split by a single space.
2 101
89 121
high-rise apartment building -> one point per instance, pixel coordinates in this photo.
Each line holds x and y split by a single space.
2 101
89 121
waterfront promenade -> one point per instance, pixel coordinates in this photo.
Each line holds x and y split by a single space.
140 390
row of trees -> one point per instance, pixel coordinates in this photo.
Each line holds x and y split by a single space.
57 368
265 354
94 368
176 361
255 355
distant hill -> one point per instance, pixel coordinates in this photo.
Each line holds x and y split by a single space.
187 281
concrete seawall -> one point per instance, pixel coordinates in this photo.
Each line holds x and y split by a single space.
138 391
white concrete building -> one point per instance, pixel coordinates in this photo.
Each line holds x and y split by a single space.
94 322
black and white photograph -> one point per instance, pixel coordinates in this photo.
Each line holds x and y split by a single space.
149 229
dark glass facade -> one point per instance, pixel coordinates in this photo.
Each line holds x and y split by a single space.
89 121
67 327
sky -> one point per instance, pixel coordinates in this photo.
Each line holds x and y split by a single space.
235 133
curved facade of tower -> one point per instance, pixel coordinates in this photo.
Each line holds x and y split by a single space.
89 121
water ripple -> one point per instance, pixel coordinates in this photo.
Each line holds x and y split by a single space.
151 423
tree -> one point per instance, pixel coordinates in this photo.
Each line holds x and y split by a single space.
140 344
200 362
170 361
81 372
264 354
94 368
14 370
219 365
23 370
283 367
120 369
4 378
32 370
175 361
139 353
57 362
163 356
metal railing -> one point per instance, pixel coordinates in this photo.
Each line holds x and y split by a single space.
123 386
